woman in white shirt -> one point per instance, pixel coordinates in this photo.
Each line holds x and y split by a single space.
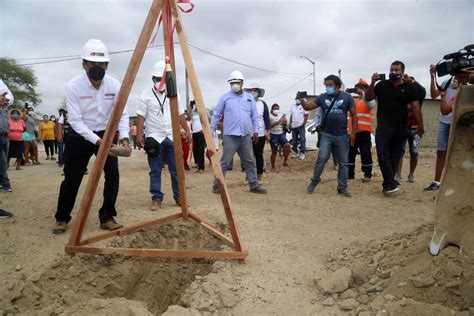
277 136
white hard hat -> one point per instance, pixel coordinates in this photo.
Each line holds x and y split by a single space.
158 69
236 76
256 86
95 50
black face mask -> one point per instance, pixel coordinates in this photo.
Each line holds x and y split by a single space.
393 76
96 73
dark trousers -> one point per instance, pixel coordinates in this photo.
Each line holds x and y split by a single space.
76 157
258 153
362 144
199 146
389 142
49 147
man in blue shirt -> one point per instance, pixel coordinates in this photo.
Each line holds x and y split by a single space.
240 125
334 106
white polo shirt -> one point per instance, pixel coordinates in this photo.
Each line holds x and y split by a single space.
158 123
297 115
89 109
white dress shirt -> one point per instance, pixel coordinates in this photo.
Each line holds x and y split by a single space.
158 124
297 115
89 109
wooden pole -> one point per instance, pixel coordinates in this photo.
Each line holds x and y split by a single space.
219 175
129 78
174 109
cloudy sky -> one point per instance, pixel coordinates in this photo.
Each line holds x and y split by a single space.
359 37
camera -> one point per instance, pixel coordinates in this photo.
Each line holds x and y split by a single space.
454 62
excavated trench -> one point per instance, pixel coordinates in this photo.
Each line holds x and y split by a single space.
70 284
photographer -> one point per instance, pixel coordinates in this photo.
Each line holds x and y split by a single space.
393 97
448 96
334 107
365 126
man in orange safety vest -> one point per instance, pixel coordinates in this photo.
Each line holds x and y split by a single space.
365 127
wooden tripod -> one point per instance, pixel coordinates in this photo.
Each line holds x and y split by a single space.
78 245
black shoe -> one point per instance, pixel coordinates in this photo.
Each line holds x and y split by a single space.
5 214
432 187
344 193
390 190
259 189
311 186
186 167
350 177
216 190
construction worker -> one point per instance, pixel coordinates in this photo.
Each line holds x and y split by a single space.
365 127
335 105
90 98
154 108
240 128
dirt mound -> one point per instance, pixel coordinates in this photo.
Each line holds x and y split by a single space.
398 275
112 285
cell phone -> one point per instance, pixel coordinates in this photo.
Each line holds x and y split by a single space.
302 94
351 90
382 76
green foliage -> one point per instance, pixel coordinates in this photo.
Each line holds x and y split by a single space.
21 81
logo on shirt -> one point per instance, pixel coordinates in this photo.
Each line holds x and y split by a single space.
337 106
84 97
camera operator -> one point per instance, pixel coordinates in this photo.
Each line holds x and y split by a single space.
448 96
393 97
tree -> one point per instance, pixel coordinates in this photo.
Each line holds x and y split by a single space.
21 81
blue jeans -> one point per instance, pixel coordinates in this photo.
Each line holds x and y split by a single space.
4 144
156 165
298 136
242 145
389 143
339 147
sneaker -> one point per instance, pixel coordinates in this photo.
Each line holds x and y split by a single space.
110 225
391 190
177 201
59 228
398 179
5 214
311 186
411 178
155 205
6 188
294 154
302 156
366 179
186 167
344 193
258 189
432 187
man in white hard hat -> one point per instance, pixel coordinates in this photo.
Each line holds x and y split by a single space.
90 98
241 123
154 108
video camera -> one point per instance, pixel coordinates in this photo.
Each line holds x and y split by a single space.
454 62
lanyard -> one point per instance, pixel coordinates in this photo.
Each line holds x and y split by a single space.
162 104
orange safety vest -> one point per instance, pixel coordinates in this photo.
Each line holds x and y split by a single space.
365 117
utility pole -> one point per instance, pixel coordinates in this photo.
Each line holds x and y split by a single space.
314 71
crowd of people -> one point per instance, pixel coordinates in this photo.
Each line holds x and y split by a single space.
344 121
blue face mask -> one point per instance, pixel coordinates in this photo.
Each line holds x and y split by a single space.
330 90
15 116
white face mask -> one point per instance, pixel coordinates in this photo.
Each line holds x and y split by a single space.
276 112
254 94
298 102
157 85
235 87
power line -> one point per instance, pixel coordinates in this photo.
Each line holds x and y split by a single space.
57 59
289 88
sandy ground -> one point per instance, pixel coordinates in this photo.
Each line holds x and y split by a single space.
288 232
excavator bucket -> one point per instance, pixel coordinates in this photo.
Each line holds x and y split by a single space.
454 208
